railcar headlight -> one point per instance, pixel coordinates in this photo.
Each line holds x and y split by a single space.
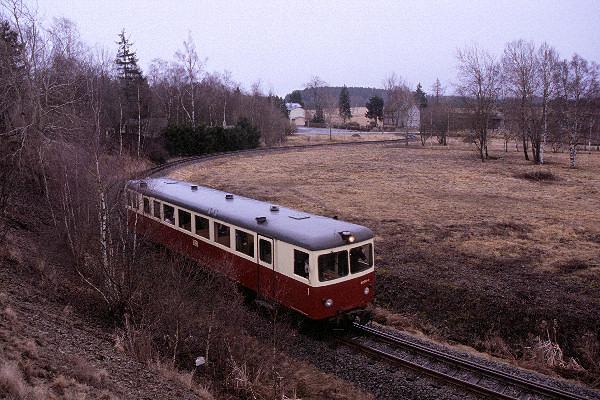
328 303
367 290
347 236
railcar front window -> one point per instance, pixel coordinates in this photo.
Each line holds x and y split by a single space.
156 209
222 234
146 205
301 266
333 265
169 214
361 258
265 251
185 220
202 226
244 243
136 200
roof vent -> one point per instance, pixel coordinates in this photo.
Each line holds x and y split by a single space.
274 208
194 188
143 184
261 220
229 196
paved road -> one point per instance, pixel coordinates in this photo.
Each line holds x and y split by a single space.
305 130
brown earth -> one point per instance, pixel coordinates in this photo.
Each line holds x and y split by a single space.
48 351
470 251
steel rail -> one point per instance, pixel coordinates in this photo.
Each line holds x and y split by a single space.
473 387
465 364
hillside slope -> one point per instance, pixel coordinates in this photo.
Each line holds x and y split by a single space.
47 351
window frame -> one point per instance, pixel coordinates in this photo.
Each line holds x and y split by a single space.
144 200
156 202
184 210
338 257
317 283
253 235
294 274
258 253
163 213
370 257
216 233
210 230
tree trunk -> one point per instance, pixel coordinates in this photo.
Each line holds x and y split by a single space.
544 135
139 143
120 127
525 150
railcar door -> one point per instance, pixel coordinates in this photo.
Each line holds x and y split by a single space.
266 267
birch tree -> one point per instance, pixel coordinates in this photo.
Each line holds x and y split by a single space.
192 65
578 86
479 83
547 60
519 66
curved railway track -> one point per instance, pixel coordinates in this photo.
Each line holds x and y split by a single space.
475 377
161 169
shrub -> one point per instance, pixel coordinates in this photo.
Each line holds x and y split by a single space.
187 141
538 176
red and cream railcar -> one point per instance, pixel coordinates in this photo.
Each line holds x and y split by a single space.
321 267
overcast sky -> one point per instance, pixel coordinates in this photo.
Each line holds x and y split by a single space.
357 43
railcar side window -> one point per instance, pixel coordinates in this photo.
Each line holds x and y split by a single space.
169 214
301 266
361 258
265 252
244 242
202 227
156 209
185 220
146 205
333 265
222 234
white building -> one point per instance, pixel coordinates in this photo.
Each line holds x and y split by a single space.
297 114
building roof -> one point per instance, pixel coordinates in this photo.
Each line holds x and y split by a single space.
309 231
292 106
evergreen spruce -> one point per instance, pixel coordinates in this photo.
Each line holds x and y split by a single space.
375 109
420 97
344 104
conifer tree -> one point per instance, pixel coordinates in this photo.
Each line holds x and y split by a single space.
375 109
420 97
131 80
344 104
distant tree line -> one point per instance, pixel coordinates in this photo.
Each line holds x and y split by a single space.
358 96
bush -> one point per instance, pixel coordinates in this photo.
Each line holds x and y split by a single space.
186 141
538 176
157 153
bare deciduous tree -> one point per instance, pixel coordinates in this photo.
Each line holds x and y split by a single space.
519 66
479 83
192 65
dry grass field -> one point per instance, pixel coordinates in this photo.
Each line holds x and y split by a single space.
486 254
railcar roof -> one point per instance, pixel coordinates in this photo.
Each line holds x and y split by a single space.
310 231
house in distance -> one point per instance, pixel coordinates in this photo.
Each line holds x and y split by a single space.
297 114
